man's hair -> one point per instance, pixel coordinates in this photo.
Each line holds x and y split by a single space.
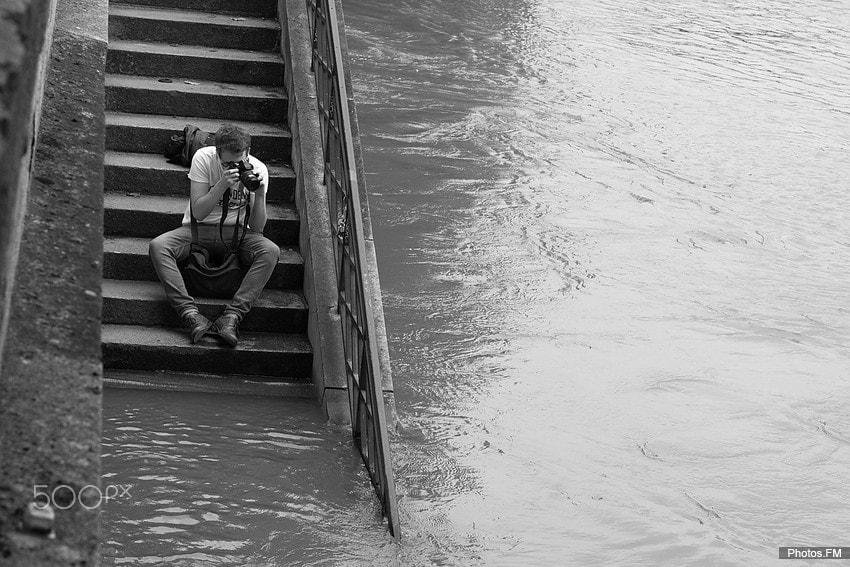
232 139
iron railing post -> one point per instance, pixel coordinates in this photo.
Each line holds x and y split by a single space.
362 365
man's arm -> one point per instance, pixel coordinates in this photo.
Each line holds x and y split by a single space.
258 209
205 198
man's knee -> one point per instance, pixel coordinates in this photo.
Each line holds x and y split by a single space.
168 244
156 246
270 249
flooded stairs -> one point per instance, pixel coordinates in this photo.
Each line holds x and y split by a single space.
172 63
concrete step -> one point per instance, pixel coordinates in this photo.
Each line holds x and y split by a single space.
150 174
135 347
208 383
127 259
144 303
143 133
181 96
193 62
244 8
149 216
181 27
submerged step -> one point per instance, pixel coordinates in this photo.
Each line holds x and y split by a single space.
151 174
180 27
144 303
169 349
169 95
128 259
147 216
207 383
144 133
193 62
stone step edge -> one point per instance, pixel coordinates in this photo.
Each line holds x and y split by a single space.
175 124
191 86
112 158
129 10
233 384
196 51
139 247
169 338
136 290
220 7
279 211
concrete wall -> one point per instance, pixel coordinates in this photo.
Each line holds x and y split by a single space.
315 239
316 235
50 381
25 29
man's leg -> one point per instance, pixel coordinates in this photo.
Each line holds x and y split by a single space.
262 255
166 251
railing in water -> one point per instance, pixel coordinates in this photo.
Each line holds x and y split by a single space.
363 372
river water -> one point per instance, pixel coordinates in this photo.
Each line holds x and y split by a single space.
614 256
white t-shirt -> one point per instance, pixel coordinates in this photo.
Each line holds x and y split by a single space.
206 168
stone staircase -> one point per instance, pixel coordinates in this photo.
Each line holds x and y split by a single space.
172 63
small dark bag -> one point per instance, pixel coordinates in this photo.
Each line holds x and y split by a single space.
203 276
183 145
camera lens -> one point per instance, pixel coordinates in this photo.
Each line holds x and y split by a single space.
250 181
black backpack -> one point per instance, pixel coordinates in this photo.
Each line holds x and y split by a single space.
183 145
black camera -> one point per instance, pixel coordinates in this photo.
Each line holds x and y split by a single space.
249 179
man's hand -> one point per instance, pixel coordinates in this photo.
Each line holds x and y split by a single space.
228 179
205 197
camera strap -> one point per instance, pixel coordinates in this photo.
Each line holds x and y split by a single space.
236 240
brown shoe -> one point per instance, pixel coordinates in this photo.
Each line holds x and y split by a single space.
227 327
197 324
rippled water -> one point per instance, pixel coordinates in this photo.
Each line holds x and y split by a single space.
223 480
614 257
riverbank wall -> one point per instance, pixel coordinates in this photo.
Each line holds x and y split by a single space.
50 371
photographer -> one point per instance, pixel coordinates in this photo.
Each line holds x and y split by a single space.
214 170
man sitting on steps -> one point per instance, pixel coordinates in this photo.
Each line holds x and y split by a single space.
212 173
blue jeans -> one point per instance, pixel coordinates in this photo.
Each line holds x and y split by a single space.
169 249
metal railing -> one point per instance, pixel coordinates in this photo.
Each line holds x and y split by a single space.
363 372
